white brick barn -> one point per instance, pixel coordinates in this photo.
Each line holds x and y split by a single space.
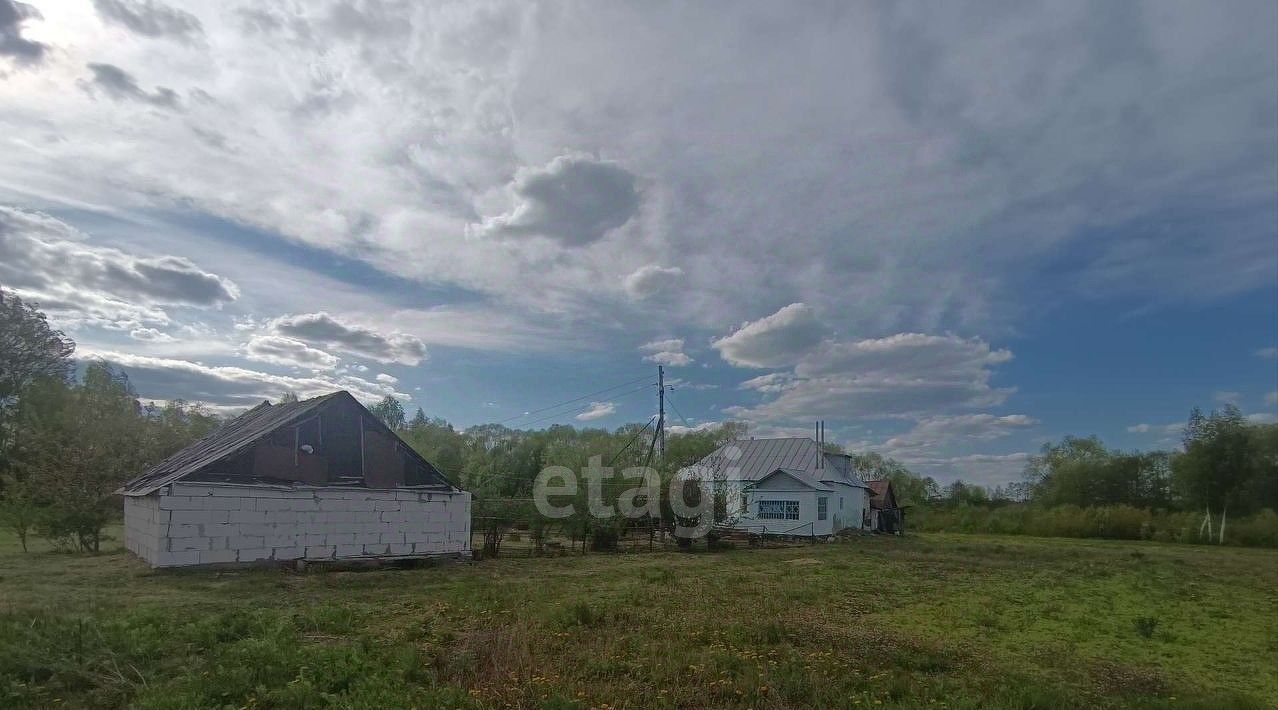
320 479
786 486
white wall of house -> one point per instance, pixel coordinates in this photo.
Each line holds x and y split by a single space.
215 523
779 489
849 506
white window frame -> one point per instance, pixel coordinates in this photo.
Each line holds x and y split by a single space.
823 507
778 510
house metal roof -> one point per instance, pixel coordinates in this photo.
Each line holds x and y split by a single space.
755 459
238 435
801 477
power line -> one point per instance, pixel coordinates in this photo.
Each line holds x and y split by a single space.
580 409
676 411
632 440
574 399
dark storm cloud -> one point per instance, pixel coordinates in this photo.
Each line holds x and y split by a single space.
575 200
121 86
42 253
12 43
151 19
326 331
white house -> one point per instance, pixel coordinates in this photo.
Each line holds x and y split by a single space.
786 486
320 479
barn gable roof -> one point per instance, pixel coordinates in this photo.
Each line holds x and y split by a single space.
243 432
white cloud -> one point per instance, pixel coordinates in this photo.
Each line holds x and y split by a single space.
150 335
773 341
666 352
1267 353
1271 398
931 432
228 385
1263 418
1161 429
279 350
386 379
676 430
597 410
1226 397
651 279
327 331
903 374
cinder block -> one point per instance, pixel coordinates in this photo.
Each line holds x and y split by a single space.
246 516
377 550
426 548
180 503
289 553
218 543
271 504
350 550
340 539
161 516
391 537
407 495
386 505
176 559
176 531
415 536
320 552
223 503
179 544
217 556
257 530
306 504
312 539
253 555
399 549
245 542
222 529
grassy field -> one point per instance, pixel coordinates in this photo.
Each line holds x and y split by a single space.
931 620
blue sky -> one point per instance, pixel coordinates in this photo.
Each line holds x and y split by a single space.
952 232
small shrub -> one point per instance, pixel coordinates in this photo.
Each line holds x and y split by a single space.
1145 626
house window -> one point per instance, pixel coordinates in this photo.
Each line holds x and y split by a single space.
745 506
778 510
822 505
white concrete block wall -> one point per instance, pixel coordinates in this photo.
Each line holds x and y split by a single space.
213 523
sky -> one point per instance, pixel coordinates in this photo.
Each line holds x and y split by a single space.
952 231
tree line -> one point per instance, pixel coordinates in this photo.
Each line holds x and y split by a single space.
67 443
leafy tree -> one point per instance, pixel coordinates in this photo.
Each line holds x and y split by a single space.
30 351
390 411
78 444
1228 465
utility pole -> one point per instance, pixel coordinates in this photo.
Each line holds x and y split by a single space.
661 412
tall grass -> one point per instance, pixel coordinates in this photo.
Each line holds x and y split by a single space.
1120 522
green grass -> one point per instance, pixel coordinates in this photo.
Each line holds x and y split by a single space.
923 621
